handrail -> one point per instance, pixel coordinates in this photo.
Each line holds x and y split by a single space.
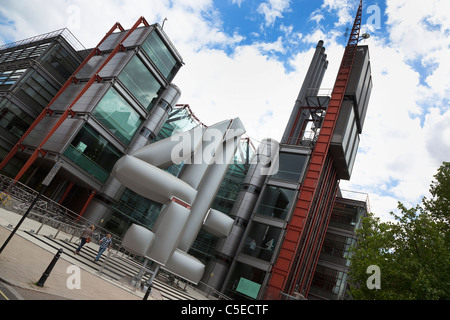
21 196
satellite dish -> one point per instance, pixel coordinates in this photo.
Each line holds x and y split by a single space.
365 36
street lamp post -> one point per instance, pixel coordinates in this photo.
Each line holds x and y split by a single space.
46 182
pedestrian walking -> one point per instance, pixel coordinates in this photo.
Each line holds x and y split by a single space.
85 238
105 243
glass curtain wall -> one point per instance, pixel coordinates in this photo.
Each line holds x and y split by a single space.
261 241
141 83
276 202
114 112
245 282
329 283
36 92
290 167
93 153
160 55
13 119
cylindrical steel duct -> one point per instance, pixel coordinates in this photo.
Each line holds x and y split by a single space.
311 85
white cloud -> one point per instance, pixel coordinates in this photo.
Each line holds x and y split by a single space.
406 136
316 16
344 9
406 132
419 27
273 9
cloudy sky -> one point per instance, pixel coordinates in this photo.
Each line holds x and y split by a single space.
248 59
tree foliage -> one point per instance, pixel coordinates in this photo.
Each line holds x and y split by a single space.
412 253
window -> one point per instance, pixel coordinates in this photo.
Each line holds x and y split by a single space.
160 55
245 282
13 119
261 240
60 64
290 166
276 202
93 153
345 216
37 92
140 82
11 76
328 280
117 115
336 248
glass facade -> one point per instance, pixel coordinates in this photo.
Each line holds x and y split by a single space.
60 64
204 246
114 112
140 82
261 241
346 217
9 77
290 167
329 282
160 55
13 119
24 52
36 92
336 248
276 202
93 153
245 282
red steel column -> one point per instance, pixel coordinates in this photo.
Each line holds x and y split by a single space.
47 109
91 196
69 187
290 247
68 111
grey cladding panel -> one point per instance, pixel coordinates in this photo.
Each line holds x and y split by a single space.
137 37
91 67
360 82
116 64
89 99
112 41
66 98
59 138
345 141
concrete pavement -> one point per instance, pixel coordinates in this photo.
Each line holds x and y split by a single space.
27 255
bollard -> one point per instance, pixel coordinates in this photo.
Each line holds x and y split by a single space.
49 269
149 290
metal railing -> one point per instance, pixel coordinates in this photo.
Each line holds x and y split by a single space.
17 197
64 32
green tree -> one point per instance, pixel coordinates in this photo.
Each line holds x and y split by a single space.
412 253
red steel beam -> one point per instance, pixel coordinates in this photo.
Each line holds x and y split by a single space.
47 109
68 111
69 187
317 214
284 265
307 285
304 278
91 196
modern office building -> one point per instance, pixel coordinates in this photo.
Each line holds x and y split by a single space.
109 104
117 100
330 280
290 226
277 256
32 71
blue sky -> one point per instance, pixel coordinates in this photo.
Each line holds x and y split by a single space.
248 59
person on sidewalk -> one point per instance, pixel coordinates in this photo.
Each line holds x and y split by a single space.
105 243
85 237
